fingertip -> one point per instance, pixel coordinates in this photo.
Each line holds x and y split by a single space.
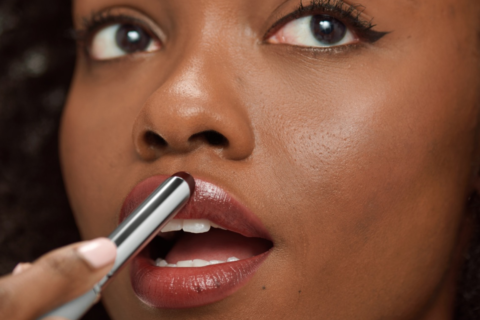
98 253
21 267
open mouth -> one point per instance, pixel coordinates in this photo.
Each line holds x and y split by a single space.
207 252
199 243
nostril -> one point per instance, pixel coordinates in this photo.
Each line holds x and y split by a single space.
154 140
213 138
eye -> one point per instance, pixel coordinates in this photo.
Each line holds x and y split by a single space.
314 31
121 39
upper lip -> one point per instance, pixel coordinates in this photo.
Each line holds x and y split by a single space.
208 202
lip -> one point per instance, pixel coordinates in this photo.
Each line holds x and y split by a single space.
164 287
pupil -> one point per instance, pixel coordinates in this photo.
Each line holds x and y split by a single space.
327 29
131 38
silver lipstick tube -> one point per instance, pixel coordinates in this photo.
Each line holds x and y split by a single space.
133 234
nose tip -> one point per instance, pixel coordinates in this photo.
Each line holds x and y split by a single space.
197 106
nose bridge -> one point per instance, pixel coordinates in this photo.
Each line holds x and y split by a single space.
205 63
187 79
197 105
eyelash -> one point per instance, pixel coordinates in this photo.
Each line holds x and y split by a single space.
349 14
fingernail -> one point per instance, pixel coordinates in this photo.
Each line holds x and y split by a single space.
19 268
98 253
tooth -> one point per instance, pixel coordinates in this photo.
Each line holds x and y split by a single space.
200 263
185 263
196 225
173 225
231 259
214 225
171 265
216 261
161 263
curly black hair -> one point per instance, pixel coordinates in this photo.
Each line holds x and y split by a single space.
37 54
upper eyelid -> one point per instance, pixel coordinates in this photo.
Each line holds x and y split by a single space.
88 29
353 14
99 20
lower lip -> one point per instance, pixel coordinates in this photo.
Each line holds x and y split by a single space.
176 287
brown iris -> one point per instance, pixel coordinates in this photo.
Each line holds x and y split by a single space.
131 38
327 29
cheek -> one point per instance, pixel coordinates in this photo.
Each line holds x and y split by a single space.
96 153
381 171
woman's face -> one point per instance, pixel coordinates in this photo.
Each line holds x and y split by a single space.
353 149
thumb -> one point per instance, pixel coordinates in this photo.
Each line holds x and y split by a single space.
56 278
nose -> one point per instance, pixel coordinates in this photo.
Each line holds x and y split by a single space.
195 107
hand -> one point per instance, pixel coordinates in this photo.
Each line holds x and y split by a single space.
54 279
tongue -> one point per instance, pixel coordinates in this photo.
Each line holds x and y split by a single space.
216 245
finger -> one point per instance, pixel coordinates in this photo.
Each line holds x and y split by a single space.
56 278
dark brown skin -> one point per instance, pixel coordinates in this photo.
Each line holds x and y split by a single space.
358 162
